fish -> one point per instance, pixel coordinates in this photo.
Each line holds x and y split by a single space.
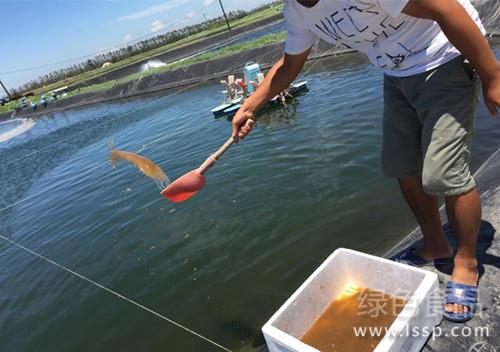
146 166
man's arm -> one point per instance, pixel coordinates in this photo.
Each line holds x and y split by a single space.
278 78
464 34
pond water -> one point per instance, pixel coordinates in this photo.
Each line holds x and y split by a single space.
273 208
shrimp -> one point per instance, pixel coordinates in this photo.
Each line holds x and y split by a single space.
146 166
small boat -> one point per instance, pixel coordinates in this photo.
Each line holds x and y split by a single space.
229 109
298 87
237 90
279 100
232 110
235 95
290 93
219 110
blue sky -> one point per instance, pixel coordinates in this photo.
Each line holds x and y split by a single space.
40 32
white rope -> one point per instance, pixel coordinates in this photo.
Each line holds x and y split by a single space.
95 167
182 90
120 116
116 294
109 121
48 188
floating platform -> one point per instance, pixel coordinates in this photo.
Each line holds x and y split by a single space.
229 109
220 110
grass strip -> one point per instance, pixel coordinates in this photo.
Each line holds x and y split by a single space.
213 55
268 12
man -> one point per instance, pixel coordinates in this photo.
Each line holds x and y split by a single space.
430 51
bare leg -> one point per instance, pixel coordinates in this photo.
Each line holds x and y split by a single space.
464 214
425 208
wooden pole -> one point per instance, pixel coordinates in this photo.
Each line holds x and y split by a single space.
225 17
5 89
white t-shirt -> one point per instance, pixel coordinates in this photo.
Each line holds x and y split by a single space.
400 45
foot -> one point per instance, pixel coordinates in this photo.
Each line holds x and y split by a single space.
464 272
434 252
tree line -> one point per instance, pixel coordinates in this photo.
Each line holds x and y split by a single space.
129 50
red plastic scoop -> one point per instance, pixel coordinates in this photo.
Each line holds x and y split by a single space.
184 187
189 184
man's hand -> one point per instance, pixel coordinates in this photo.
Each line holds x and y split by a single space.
241 127
491 91
278 78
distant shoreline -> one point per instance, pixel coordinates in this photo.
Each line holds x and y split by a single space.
194 75
173 55
197 74
201 73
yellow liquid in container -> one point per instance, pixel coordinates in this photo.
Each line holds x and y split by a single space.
355 308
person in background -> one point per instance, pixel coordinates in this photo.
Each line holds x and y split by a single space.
431 53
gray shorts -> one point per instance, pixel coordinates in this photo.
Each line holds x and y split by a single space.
429 125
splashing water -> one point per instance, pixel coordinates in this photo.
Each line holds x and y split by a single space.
151 64
12 128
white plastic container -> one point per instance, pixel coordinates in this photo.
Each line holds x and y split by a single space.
250 74
260 78
409 331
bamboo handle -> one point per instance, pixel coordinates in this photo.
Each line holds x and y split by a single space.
215 156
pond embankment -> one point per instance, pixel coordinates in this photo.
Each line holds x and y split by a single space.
488 254
185 51
206 71
173 80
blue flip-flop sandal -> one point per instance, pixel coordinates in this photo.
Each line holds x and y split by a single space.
410 258
464 295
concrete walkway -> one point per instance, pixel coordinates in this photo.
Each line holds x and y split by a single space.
488 251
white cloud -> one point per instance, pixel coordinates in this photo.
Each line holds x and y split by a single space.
191 14
157 26
207 2
246 5
127 38
107 51
154 10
